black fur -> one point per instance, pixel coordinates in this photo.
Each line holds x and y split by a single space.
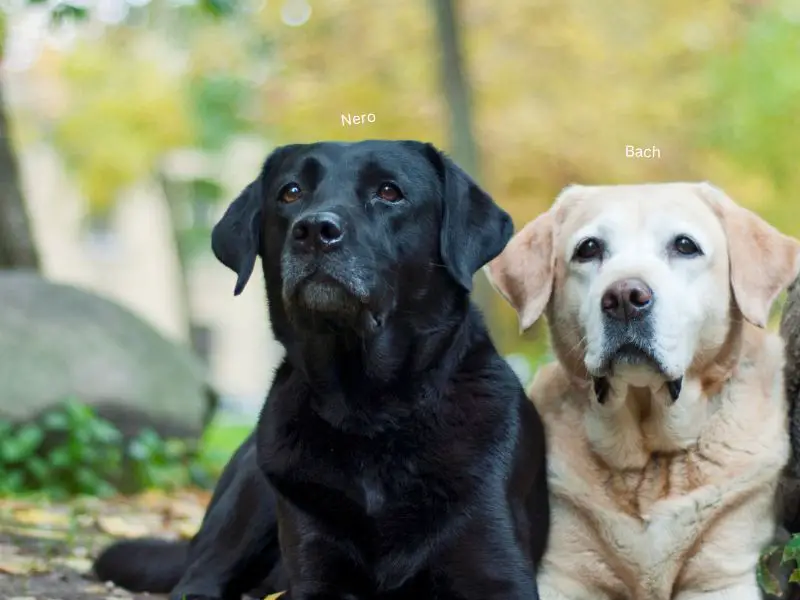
402 458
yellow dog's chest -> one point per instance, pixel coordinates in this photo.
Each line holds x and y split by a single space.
647 514
644 523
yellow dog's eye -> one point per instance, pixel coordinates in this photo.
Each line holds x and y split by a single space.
589 249
291 193
685 246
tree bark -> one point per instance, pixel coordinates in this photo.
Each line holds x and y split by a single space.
17 245
173 197
456 89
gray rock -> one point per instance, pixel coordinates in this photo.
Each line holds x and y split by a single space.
59 342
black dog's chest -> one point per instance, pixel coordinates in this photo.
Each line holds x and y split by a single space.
373 478
362 481
382 498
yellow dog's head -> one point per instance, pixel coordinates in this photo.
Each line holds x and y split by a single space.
644 282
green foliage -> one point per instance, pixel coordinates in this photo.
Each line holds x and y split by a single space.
65 12
219 102
766 579
221 440
218 8
114 137
755 87
71 451
790 554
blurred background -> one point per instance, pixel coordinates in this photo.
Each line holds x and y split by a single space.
126 126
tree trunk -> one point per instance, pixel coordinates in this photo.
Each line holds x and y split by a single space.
17 246
173 198
457 92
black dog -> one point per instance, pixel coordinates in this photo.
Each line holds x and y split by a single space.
402 458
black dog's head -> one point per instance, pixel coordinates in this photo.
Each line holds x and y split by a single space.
351 234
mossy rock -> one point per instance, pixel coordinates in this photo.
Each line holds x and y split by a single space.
59 342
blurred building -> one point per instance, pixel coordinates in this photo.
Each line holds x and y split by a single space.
133 260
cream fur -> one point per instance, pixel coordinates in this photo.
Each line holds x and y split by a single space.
655 500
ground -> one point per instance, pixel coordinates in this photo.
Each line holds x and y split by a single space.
46 548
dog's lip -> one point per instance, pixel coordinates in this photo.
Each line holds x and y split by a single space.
633 349
641 355
628 350
321 277
601 388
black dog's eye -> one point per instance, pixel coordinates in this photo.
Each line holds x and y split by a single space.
588 250
389 192
290 193
685 246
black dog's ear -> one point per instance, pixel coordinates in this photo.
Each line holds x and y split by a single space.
236 239
474 229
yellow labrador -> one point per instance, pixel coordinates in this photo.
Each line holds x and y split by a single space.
665 411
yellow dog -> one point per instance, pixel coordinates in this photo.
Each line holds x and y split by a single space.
665 413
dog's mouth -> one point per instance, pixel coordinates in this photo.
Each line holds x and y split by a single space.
322 293
632 355
628 354
321 299
326 295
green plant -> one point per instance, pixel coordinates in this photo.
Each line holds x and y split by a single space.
67 452
159 463
72 451
790 554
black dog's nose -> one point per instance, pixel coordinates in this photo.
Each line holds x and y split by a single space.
627 299
321 230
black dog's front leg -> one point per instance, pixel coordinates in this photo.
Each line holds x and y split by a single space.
237 545
488 563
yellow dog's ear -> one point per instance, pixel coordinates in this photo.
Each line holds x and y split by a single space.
523 273
763 261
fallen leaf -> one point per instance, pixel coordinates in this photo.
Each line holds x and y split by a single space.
42 534
120 527
41 517
187 530
21 565
81 565
182 509
151 499
274 596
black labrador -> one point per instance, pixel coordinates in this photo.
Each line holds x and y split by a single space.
396 456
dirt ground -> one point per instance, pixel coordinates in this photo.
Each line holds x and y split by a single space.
46 549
